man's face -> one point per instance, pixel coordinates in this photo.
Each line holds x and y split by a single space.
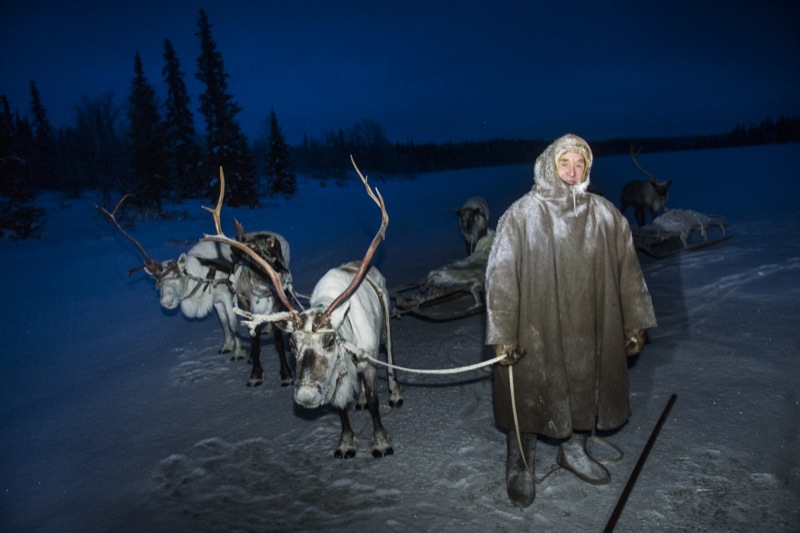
571 168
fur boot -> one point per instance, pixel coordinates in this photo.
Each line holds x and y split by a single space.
519 483
572 455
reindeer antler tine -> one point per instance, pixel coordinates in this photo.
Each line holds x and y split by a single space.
634 153
112 217
116 207
239 230
216 211
377 199
365 262
221 237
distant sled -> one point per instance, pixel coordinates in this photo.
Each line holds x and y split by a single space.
453 304
677 231
451 292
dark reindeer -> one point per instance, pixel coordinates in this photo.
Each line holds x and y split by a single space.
473 221
644 195
199 281
347 320
254 292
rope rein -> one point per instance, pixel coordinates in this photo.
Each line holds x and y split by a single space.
362 354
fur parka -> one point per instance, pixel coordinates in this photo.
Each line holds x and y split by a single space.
564 282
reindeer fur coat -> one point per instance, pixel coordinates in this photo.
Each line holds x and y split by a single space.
563 282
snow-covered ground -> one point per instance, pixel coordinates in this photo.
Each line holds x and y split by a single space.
118 416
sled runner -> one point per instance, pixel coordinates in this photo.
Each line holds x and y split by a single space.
435 306
679 230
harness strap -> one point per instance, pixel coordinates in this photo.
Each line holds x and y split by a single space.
209 279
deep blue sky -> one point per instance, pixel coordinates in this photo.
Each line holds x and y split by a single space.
465 71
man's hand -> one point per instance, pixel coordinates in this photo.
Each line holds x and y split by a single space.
512 352
634 341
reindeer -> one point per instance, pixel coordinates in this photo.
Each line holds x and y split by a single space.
198 281
644 195
347 320
473 220
255 293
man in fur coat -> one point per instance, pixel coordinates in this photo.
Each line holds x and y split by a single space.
565 301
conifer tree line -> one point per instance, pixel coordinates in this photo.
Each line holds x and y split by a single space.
153 149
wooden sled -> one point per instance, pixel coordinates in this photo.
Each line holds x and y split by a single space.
435 307
679 231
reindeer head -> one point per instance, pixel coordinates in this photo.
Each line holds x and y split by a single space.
171 277
661 187
171 284
473 220
323 361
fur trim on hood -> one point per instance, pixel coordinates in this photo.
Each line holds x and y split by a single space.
545 173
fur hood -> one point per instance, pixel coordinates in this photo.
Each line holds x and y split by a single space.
547 183
564 282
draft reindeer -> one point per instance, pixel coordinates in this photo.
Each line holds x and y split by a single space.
347 320
199 281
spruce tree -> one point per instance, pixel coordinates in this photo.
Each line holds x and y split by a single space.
12 184
98 147
185 159
44 161
225 143
281 178
16 218
148 155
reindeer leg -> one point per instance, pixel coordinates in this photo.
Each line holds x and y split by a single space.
257 372
381 447
395 394
227 319
361 404
286 371
347 442
640 216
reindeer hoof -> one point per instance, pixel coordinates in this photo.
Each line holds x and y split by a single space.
236 357
377 454
360 407
287 380
396 404
348 454
256 380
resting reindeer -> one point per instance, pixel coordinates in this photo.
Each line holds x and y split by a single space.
198 281
644 195
465 274
473 220
346 321
682 222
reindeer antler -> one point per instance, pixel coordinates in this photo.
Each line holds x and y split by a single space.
381 235
634 153
151 265
221 237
